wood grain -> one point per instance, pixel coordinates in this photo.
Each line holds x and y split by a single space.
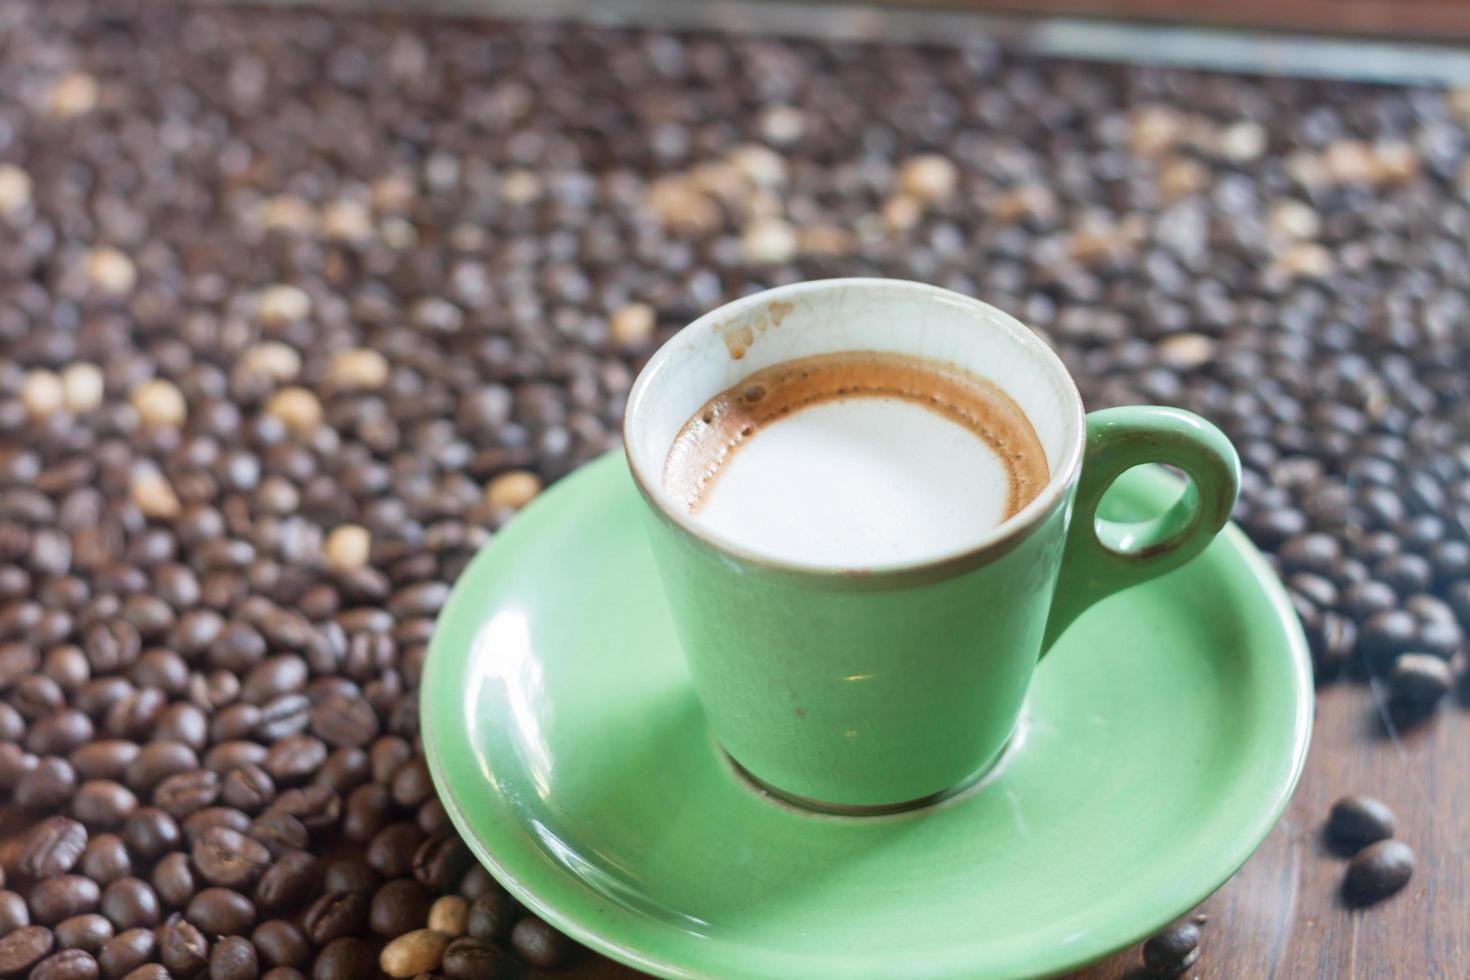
1283 916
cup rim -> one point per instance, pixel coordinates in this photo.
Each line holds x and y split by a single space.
995 542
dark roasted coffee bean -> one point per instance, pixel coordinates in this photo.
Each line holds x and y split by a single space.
130 903
234 958
280 943
474 959
1387 635
54 899
539 944
1378 870
149 971
290 882
183 722
295 759
13 912
433 819
126 952
220 912
248 788
392 850
491 917
182 948
1405 573
69 964
59 734
183 793
225 756
317 807
157 761
52 847
477 882
349 874
441 861
107 759
368 809
173 879
345 721
46 787
344 770
15 764
398 907
196 823
273 678
1416 685
412 783
227 857
105 859
387 755
88 932
150 832
335 914
1173 951
23 948
102 804
345 959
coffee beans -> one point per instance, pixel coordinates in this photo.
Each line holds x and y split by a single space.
539 944
345 959
399 906
52 847
22 948
130 903
1378 870
69 964
229 858
413 953
220 912
233 958
1173 951
1357 821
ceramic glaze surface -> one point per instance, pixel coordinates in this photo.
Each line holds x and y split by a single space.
1159 743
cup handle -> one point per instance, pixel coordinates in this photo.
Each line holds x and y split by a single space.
1103 557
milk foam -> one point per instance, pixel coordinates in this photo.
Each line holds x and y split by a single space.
858 481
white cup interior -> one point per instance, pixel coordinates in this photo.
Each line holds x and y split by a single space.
728 344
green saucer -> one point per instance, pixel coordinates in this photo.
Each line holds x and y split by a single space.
1161 740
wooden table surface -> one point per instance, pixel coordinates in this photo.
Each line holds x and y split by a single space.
1282 915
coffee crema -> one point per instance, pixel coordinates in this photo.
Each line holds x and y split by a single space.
827 457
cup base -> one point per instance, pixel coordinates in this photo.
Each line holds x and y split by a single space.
980 775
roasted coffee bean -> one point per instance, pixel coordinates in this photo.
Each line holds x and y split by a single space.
197 823
173 879
15 764
102 804
88 931
186 792
350 874
182 948
1416 685
149 971
234 958
69 964
290 882
248 788
412 784
130 903
343 771
46 787
539 944
227 857
157 761
22 948
441 861
126 952
150 832
416 952
317 807
13 912
54 899
224 756
1173 951
491 917
220 912
368 808
391 753
280 943
345 959
1378 870
476 883
106 859
106 759
448 914
398 907
335 914
295 759
280 832
60 733
474 959
1387 635
345 721
52 847
391 851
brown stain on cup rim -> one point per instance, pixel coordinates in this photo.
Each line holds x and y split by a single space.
739 333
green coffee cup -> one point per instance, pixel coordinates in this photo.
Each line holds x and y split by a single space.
865 689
